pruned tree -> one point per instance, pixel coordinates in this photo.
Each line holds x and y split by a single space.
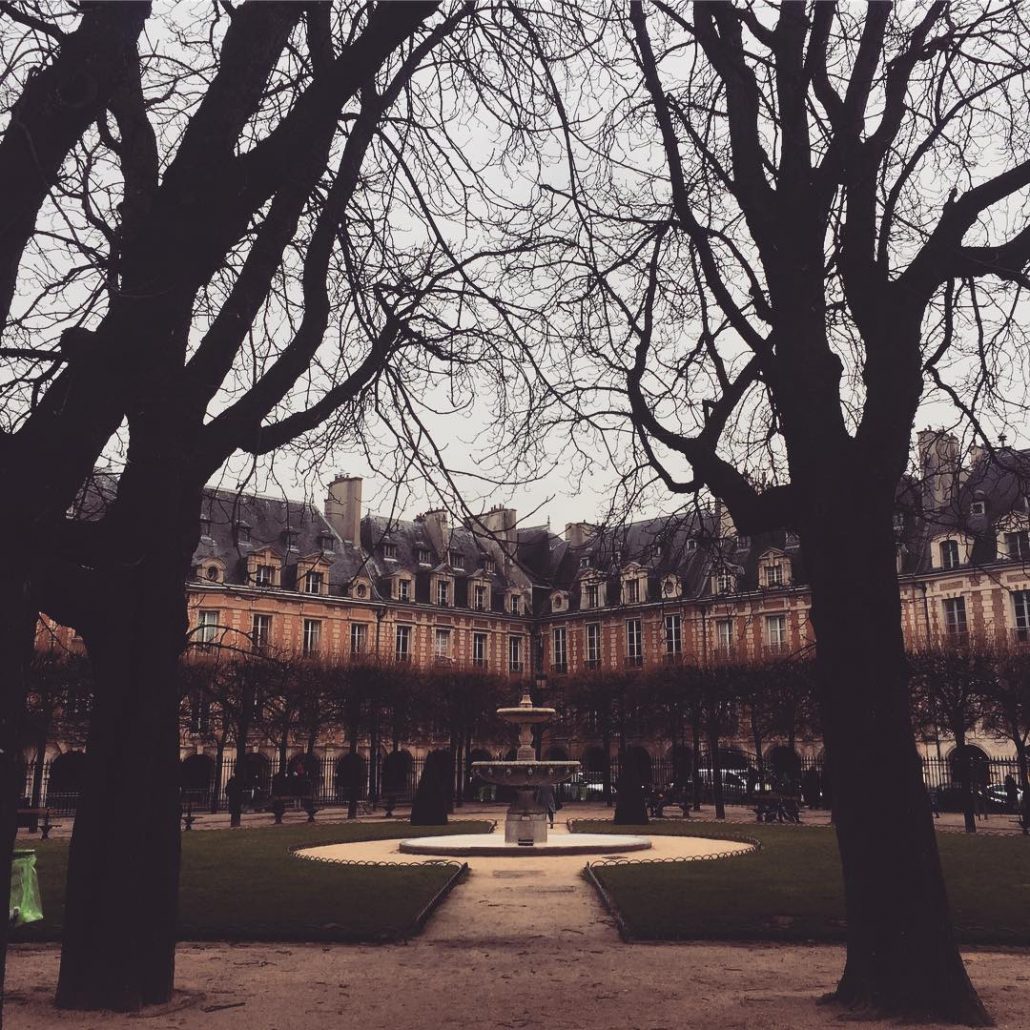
1006 706
786 227
950 686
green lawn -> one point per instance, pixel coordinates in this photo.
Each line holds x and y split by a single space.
244 885
791 888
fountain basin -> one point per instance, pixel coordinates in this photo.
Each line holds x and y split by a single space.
524 773
494 845
526 714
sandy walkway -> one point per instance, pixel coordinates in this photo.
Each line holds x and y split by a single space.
521 943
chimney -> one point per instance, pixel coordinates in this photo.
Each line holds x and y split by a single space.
343 508
497 531
438 528
939 467
577 533
724 521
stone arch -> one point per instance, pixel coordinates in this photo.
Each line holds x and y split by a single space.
196 775
594 760
971 760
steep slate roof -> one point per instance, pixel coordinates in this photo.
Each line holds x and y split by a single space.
269 520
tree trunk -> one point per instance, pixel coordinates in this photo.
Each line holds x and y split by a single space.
965 766
716 760
216 788
695 764
17 641
119 938
902 958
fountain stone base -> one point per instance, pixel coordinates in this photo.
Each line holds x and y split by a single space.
526 821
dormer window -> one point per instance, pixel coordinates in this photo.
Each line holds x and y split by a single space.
725 583
213 574
361 590
489 565
264 575
455 560
314 582
774 575
242 533
949 554
443 592
205 525
792 539
404 590
290 537
424 556
899 521
743 541
584 563
978 508
591 595
479 597
390 552
671 586
515 604
327 542
691 544
632 591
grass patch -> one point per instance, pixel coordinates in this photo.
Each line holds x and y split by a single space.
244 885
792 890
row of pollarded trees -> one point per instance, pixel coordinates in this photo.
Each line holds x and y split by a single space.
980 686
239 698
696 708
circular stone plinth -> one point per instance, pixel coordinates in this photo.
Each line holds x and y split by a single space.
487 844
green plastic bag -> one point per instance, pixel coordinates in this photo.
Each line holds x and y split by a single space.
26 905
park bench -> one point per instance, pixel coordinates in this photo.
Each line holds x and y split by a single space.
775 807
280 802
29 818
657 801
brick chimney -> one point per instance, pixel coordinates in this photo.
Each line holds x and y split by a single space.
578 533
343 508
497 531
438 528
939 466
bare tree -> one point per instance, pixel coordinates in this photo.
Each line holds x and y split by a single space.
786 226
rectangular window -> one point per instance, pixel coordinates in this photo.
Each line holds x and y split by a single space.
200 713
776 632
312 636
489 565
442 591
313 582
515 654
1021 607
479 597
955 619
261 631
327 542
456 560
515 604
673 635
403 589
632 591
774 575
592 596
1017 545
593 645
403 644
207 632
724 635
442 643
358 638
634 643
264 575
390 552
560 649
242 533
725 583
424 557
949 554
479 649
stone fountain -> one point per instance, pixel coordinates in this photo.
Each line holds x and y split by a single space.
525 825
526 821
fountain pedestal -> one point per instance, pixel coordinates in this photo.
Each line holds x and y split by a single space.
526 821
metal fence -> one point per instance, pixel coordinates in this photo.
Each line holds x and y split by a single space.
333 779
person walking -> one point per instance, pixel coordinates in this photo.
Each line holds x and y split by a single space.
546 800
1011 793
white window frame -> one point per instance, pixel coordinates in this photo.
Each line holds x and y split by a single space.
950 554
358 638
479 597
673 633
592 643
956 619
443 593
776 630
560 648
724 634
264 575
261 629
314 578
479 645
207 625
514 653
443 640
402 642
312 636
404 590
635 641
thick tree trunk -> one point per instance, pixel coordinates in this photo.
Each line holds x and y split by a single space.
902 957
965 767
119 939
17 640
716 759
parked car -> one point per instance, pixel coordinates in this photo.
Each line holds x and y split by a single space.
997 798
